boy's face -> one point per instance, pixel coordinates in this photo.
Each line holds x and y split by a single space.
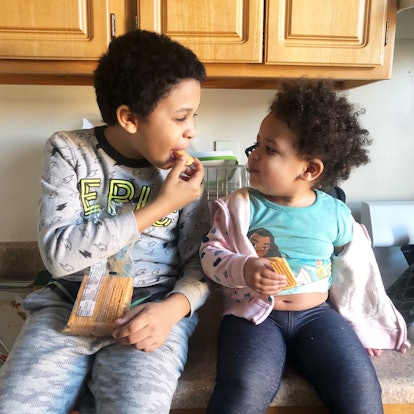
170 126
274 166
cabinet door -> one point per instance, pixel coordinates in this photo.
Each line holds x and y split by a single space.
325 32
63 29
216 30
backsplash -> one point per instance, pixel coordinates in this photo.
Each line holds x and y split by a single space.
20 261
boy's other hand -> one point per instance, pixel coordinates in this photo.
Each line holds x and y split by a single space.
148 326
144 326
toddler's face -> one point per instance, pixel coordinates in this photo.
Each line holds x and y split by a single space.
170 126
274 166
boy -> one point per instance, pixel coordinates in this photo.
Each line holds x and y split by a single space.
102 190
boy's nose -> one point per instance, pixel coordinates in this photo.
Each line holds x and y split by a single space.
190 133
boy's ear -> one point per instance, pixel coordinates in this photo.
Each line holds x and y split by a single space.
127 119
313 170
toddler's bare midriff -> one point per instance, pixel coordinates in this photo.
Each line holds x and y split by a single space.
299 301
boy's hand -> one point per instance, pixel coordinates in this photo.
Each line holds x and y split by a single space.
260 277
183 184
148 326
176 192
144 326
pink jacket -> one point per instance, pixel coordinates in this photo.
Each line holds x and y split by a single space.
359 295
357 291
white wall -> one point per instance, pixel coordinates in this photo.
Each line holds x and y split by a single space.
30 114
389 117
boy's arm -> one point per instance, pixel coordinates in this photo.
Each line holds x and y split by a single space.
147 326
193 224
70 240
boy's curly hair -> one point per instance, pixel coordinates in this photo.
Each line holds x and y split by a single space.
139 69
326 126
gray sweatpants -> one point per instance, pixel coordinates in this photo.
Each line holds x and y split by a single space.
51 372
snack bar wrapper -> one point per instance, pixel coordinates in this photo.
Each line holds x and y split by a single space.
104 296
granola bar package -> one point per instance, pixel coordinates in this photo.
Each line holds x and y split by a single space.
104 296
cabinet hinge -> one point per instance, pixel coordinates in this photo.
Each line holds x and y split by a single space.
112 25
387 28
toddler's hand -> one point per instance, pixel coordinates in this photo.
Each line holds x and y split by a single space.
374 351
260 277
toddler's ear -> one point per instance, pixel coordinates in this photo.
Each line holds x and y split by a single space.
127 119
314 170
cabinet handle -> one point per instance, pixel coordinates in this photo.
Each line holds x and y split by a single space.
387 28
113 25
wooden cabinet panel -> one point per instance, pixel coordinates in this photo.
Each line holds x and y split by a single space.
64 29
216 30
326 32
243 43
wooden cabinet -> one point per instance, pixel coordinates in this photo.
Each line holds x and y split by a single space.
348 33
44 29
244 43
59 38
249 42
217 31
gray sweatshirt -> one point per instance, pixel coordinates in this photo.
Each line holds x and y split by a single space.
88 194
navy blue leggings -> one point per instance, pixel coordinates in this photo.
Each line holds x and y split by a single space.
251 360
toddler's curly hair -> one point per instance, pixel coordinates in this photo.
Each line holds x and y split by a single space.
326 126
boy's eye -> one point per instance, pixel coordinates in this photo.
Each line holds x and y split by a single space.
184 118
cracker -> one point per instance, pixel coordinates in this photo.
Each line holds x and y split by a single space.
281 266
188 158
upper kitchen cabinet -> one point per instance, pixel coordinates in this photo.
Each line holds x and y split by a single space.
228 31
243 43
41 38
326 32
254 43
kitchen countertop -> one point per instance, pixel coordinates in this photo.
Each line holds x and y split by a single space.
395 371
21 261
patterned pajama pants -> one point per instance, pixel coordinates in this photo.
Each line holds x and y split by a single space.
51 372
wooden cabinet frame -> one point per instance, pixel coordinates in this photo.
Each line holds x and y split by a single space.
237 33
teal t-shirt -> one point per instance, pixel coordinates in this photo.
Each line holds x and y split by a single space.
305 236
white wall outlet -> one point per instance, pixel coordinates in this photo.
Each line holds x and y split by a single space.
233 146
